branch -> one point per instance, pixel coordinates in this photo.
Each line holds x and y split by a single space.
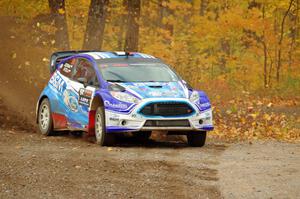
283 21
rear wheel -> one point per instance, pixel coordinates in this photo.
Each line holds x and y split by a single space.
196 139
102 137
45 120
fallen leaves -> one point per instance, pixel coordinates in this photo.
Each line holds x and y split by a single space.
270 105
252 118
267 117
61 11
14 55
45 60
110 149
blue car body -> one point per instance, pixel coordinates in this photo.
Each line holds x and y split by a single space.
73 103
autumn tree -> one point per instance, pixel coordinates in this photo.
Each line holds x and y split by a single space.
94 34
58 15
203 7
132 32
294 31
282 26
121 24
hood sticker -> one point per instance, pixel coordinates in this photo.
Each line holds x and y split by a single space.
155 89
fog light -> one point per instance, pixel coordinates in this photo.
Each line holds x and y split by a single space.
200 121
123 122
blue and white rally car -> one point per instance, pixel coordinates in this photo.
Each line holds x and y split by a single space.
104 93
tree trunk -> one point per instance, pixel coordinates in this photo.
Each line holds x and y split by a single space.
280 42
293 35
122 21
94 34
58 15
160 13
164 11
132 33
203 7
265 53
225 49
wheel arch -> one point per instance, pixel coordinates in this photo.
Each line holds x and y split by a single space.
96 102
38 107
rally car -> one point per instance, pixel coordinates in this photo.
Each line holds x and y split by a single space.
106 93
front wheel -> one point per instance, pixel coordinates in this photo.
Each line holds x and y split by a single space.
196 139
45 120
102 137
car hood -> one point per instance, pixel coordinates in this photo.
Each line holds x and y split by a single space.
156 89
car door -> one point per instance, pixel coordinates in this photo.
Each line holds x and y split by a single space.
59 84
82 88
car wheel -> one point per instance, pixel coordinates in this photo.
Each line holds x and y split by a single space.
196 139
142 135
45 120
102 138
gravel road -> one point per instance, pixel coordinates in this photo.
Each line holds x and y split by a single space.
33 166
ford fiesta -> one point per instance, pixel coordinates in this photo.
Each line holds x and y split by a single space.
106 93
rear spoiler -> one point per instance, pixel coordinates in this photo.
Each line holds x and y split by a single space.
58 56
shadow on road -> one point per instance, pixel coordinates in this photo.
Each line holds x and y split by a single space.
176 142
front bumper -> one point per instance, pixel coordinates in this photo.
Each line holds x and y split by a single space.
134 121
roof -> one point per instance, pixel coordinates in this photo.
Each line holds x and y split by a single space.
107 55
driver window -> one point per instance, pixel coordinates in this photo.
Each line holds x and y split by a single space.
84 69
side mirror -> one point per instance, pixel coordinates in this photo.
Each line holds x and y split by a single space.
82 80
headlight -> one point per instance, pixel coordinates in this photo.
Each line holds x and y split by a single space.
194 96
125 97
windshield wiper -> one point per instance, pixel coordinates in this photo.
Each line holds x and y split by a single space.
115 80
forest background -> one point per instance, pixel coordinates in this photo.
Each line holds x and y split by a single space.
244 54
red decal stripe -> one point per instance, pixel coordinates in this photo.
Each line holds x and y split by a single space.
91 126
59 121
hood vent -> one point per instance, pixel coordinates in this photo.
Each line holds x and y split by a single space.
159 86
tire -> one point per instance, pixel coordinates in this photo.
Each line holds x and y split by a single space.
196 139
102 137
45 121
142 135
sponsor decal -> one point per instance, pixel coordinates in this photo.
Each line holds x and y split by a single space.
120 64
113 119
70 100
204 105
118 106
155 93
57 82
67 68
85 96
174 88
103 65
169 93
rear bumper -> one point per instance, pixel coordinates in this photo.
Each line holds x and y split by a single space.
133 121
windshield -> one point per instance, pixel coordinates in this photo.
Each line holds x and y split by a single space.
137 72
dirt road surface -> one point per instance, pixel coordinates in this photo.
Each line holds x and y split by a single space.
34 166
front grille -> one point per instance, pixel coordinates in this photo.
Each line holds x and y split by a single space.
167 109
167 123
